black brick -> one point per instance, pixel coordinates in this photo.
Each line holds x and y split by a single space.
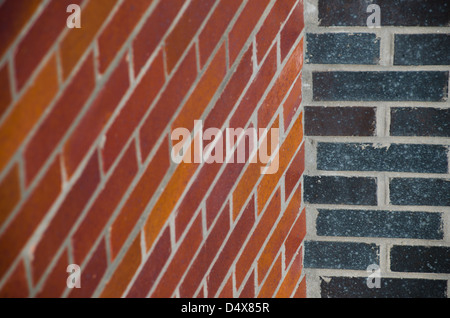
392 224
356 287
422 49
342 48
339 121
395 157
340 190
393 12
420 191
340 255
380 86
420 259
433 122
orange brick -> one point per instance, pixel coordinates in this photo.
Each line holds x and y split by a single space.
292 102
16 286
124 272
27 111
76 41
295 237
5 89
9 193
301 290
272 281
291 278
227 291
295 171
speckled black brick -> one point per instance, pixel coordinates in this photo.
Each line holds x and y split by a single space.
420 259
393 12
339 121
395 157
342 48
392 224
422 49
340 190
420 191
380 86
356 287
407 121
340 255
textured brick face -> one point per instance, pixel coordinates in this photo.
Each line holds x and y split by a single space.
86 175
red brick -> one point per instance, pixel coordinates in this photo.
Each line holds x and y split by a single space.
227 291
133 111
16 286
272 281
295 237
139 198
232 91
257 238
301 290
255 91
65 218
170 100
180 37
14 14
9 193
201 293
215 27
279 90
231 249
59 120
291 278
153 266
119 29
207 253
96 118
124 272
291 30
203 93
27 111
56 282
292 102
249 289
244 26
180 261
272 25
153 31
31 213
92 273
105 204
76 41
5 89
39 39
295 171
276 240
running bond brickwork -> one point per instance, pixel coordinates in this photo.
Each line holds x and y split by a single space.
377 121
86 175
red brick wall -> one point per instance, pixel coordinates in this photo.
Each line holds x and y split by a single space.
86 175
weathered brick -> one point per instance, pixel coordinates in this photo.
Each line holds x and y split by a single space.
420 259
429 86
215 27
394 157
153 31
291 30
27 111
9 193
58 121
180 37
340 190
153 266
342 48
422 49
118 30
5 89
395 224
393 12
96 117
104 206
408 121
139 198
340 121
16 286
419 191
340 255
31 213
356 287
301 290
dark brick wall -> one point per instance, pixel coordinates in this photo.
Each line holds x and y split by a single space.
377 122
